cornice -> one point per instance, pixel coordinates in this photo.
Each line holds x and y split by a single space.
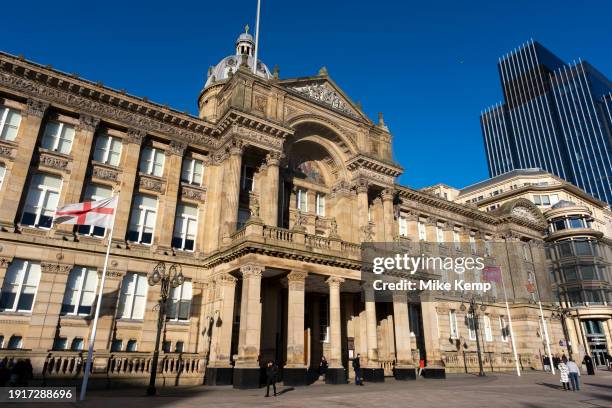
371 163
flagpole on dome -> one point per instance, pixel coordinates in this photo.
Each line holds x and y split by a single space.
256 37
92 337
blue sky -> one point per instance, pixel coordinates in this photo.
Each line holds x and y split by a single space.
429 66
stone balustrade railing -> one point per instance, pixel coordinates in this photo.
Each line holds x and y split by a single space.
468 361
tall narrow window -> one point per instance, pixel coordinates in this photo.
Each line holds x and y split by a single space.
19 286
471 323
9 123
15 343
192 171
503 327
422 232
58 137
457 240
473 244
248 178
302 200
142 219
80 291
94 192
132 346
452 316
108 150
77 344
403 227
487 328
320 204
41 201
2 174
243 216
180 302
152 161
133 297
185 227
439 233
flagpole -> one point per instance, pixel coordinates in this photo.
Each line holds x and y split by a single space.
256 37
516 360
92 337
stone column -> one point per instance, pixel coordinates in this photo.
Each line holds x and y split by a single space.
404 366
335 372
434 367
269 191
389 223
129 164
362 202
231 190
213 180
26 138
168 201
81 149
246 371
219 369
372 372
294 373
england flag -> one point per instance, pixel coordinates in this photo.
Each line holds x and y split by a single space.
97 213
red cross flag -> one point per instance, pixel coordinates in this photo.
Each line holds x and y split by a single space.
96 213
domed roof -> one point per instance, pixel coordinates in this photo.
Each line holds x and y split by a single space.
563 204
244 46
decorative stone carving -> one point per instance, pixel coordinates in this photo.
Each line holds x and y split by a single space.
259 138
105 173
56 268
387 194
300 221
522 212
52 161
297 276
37 108
254 205
191 193
224 279
135 136
273 158
235 147
176 148
334 281
260 103
88 122
149 183
367 233
322 92
342 187
361 185
251 271
6 151
333 228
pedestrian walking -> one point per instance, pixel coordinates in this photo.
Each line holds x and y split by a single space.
421 366
323 367
574 373
546 363
564 373
588 362
271 374
357 368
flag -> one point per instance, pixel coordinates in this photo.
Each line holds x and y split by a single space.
96 213
492 274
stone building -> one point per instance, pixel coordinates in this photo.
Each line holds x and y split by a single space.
263 199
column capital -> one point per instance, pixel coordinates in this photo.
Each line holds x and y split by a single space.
225 279
387 194
361 185
88 123
135 136
37 108
251 271
274 158
334 281
297 276
176 148
235 147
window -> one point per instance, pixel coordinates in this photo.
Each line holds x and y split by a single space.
41 201
503 327
439 233
243 216
302 200
554 199
133 296
152 161
167 346
576 222
116 345
15 342
80 291
1 341
60 343
185 227
422 233
457 240
2 173
178 348
192 171
320 198
452 316
9 123
403 227
180 301
559 224
488 248
94 192
19 287
142 220
473 244
248 178
132 346
77 344
487 328
107 150
58 137
471 323
569 272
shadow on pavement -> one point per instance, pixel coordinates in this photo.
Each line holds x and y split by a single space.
598 385
555 386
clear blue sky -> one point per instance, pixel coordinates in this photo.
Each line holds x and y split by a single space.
430 66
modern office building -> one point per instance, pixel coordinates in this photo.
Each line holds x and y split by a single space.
263 199
555 116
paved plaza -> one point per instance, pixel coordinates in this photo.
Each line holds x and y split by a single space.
534 389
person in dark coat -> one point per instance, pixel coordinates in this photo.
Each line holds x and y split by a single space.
5 373
588 361
323 367
357 368
271 374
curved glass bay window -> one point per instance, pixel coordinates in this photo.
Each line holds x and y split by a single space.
570 222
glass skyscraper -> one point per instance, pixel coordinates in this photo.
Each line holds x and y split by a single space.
555 116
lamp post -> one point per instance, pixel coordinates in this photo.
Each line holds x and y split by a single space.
171 278
562 313
473 310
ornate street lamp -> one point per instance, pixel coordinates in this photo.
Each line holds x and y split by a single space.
171 278
473 310
562 313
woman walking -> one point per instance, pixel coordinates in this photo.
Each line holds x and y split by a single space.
564 373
